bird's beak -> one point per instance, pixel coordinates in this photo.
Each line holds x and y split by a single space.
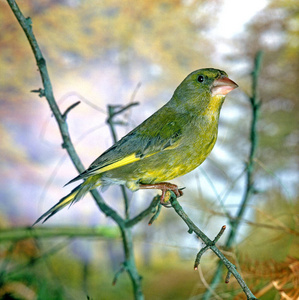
222 86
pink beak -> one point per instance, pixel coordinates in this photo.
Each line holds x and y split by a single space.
222 86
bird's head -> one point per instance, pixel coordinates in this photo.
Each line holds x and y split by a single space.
204 87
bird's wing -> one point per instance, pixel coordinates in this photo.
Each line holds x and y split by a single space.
140 143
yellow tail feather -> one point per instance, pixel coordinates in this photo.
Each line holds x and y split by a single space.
58 206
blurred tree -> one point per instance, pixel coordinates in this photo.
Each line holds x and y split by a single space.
274 233
276 31
156 36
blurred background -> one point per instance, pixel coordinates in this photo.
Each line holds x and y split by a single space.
118 52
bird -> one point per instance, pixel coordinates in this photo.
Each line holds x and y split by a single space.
173 141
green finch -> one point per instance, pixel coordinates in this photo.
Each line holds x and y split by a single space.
170 143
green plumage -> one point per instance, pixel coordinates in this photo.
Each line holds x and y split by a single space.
170 143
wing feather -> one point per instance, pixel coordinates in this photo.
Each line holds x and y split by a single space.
144 141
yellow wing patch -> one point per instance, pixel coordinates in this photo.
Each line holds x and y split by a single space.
125 161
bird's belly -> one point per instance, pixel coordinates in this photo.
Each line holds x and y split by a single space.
164 169
163 166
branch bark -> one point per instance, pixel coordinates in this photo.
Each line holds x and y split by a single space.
211 245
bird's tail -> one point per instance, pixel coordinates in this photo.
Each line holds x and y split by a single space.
75 195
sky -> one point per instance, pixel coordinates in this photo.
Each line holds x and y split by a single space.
232 18
245 10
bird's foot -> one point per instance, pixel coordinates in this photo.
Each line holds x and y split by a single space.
165 187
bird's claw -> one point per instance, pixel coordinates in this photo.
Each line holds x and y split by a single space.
166 189
166 194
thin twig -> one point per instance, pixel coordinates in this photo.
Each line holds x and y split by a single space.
64 115
118 273
208 246
121 108
151 208
156 214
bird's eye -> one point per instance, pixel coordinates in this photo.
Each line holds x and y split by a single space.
200 78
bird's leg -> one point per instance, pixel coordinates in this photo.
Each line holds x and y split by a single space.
164 187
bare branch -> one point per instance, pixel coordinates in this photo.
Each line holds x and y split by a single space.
211 245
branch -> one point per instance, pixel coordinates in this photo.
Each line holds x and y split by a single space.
26 25
207 247
50 232
151 208
210 245
255 104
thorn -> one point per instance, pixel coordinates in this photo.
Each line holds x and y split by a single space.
218 236
28 21
199 255
41 92
228 275
119 272
120 108
64 115
156 214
